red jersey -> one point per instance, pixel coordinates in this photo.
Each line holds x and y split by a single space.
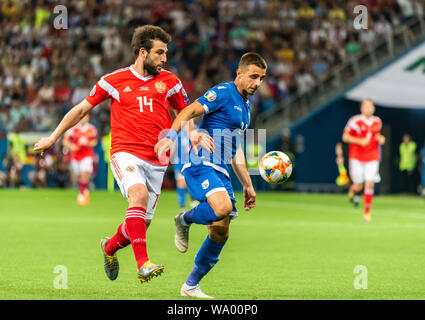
140 109
82 135
360 127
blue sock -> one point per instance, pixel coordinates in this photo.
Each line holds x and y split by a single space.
201 214
205 259
181 197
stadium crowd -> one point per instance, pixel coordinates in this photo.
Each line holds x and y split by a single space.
45 71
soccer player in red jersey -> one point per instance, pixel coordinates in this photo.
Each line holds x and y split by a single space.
141 96
363 134
81 140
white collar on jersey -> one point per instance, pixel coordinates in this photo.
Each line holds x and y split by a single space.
367 121
83 126
139 75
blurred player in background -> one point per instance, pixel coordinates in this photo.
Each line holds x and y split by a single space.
225 109
180 156
141 96
342 180
363 134
81 140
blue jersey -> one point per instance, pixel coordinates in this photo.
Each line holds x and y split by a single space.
227 116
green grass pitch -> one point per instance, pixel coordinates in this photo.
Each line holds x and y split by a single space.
291 246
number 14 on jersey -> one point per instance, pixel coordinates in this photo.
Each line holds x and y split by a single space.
143 101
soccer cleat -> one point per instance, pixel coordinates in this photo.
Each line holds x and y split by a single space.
111 264
354 199
148 271
80 199
83 199
181 235
366 218
194 292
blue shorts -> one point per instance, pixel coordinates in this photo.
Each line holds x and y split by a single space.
202 181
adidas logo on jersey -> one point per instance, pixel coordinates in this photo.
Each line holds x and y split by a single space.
127 89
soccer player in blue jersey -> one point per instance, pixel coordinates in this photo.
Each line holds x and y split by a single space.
226 114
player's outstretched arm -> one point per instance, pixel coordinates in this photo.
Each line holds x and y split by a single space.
239 167
193 110
69 120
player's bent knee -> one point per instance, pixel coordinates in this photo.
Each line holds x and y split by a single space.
219 231
138 195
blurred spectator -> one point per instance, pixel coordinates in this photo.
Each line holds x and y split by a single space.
305 81
383 27
44 71
43 165
408 164
13 166
352 46
407 9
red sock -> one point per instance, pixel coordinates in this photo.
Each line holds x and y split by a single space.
136 230
368 196
118 241
83 186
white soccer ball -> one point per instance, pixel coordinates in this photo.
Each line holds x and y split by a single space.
275 167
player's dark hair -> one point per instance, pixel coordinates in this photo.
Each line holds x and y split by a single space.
143 37
252 58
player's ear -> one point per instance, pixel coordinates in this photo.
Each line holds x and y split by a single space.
143 53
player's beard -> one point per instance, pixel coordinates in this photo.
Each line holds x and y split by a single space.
150 66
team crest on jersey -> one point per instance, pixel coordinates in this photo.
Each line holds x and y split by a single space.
129 169
160 86
210 95
205 184
93 91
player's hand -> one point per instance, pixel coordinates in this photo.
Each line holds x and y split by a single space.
44 144
249 196
74 147
203 140
364 142
380 138
162 146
